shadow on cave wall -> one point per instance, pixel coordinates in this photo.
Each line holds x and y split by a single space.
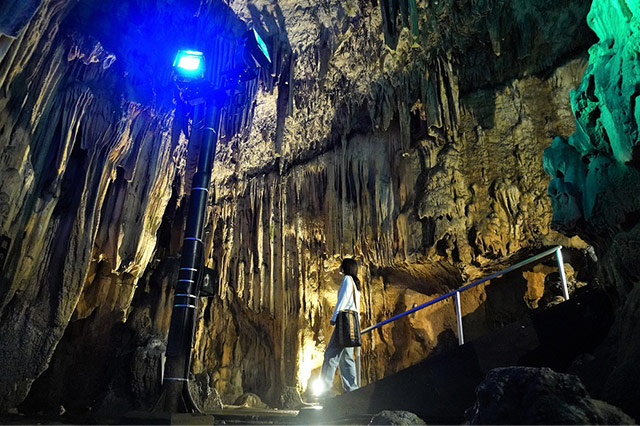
503 301
510 38
512 297
101 371
272 28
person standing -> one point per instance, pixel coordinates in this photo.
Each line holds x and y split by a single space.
334 355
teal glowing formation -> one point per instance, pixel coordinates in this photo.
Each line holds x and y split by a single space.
262 45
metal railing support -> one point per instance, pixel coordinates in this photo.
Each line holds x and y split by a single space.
459 315
456 293
563 276
358 366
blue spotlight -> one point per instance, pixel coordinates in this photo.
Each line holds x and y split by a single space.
189 64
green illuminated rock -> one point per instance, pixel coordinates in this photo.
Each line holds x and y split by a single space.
595 186
595 190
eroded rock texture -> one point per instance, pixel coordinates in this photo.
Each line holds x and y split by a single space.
396 418
405 163
86 177
409 135
539 396
594 190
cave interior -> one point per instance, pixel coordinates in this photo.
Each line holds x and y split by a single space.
436 142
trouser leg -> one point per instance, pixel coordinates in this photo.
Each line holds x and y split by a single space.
348 370
331 360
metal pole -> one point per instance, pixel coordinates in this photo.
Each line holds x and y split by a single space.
563 276
180 340
459 315
358 367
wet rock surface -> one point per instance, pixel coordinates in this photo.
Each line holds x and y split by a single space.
526 395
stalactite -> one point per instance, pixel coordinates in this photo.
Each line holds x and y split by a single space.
73 142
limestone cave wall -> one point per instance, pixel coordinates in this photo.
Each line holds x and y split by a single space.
407 134
595 182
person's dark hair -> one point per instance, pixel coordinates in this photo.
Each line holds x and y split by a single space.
350 267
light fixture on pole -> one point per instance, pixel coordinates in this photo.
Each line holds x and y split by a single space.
189 67
189 64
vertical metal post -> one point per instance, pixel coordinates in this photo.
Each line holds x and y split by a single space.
563 276
187 290
459 315
358 367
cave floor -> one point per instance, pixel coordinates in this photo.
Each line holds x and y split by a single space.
249 415
228 415
310 414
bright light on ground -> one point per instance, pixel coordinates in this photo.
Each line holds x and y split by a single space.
310 359
317 387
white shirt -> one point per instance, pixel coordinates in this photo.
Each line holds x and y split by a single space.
345 297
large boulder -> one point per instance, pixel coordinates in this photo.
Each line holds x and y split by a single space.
527 395
387 417
204 394
290 398
250 400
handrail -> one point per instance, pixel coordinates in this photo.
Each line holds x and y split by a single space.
456 293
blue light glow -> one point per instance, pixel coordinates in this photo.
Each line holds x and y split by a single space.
189 63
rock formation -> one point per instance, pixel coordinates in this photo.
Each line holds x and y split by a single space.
594 190
407 134
539 396
396 418
86 178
